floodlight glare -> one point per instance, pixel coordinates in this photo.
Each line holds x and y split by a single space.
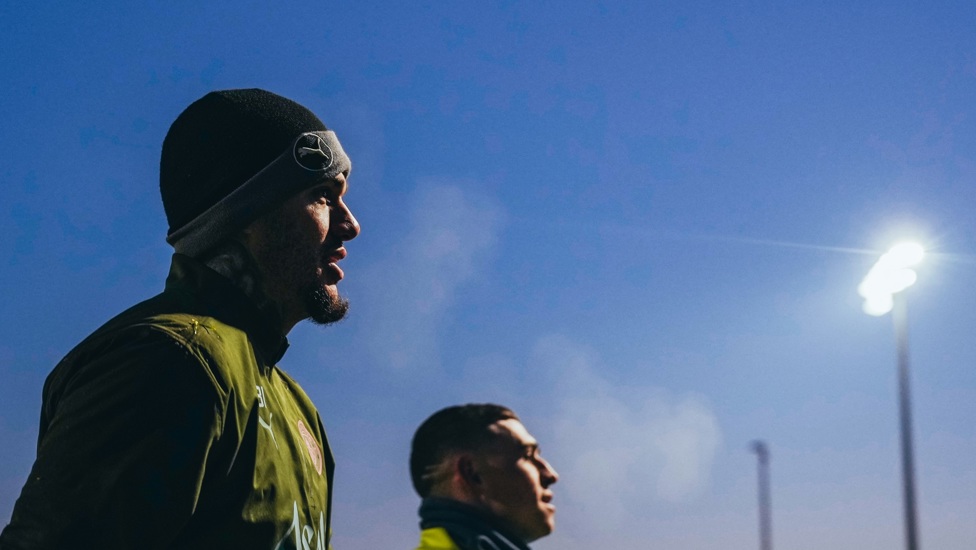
906 254
890 275
878 305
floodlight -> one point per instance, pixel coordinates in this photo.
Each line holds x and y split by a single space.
890 275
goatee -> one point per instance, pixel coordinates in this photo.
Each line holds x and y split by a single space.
325 308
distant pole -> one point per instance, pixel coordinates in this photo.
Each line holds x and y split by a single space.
765 513
899 315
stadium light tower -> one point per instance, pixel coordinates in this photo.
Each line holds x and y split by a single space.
881 290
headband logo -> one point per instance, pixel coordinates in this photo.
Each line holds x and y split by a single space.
311 152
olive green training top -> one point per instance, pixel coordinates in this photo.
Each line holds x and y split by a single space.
172 427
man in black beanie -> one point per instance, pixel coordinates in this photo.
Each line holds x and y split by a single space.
171 426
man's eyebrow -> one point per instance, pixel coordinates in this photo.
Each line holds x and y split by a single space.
334 186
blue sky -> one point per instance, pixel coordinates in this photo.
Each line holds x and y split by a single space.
641 225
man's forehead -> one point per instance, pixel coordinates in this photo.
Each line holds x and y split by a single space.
512 432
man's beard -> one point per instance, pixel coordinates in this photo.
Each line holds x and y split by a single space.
323 307
293 270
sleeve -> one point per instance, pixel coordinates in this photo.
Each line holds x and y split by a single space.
123 450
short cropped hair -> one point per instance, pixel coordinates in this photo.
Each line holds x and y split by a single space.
456 428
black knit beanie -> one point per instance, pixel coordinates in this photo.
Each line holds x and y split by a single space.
233 155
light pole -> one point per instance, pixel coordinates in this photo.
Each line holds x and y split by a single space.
881 289
765 512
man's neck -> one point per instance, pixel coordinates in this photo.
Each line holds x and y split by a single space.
233 261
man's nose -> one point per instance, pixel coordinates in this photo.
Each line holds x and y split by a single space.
348 225
549 475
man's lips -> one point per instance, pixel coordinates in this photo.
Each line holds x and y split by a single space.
332 269
337 255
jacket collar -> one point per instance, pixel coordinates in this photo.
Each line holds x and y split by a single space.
469 527
224 301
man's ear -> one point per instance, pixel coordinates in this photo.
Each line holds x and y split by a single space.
245 233
467 471
248 236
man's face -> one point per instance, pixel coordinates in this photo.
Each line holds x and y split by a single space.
515 481
297 248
